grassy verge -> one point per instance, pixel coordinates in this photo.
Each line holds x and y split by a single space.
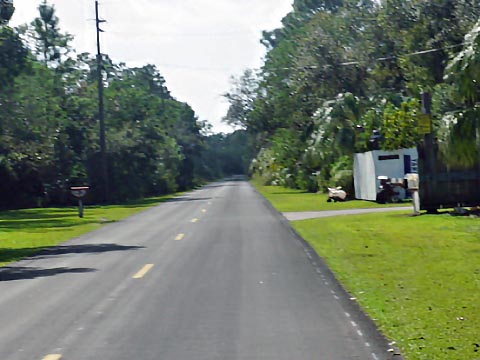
417 277
291 200
25 232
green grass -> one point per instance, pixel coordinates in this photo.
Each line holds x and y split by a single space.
291 200
25 232
417 277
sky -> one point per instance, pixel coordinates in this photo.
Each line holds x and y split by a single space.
197 45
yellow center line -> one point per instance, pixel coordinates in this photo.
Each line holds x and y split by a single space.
180 237
143 271
194 220
53 357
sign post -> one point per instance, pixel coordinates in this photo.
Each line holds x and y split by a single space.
424 124
79 192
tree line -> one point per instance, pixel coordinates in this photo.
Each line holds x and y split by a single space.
345 76
49 131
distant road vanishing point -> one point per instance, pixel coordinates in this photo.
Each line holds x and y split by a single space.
213 274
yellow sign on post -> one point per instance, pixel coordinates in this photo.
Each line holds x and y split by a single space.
424 123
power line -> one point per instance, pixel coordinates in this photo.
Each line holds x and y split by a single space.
194 68
421 52
386 58
184 35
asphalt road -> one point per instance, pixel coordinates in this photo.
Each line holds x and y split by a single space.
215 274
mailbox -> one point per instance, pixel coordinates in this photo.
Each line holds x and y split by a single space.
79 192
412 181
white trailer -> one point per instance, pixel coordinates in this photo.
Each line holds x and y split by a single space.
370 165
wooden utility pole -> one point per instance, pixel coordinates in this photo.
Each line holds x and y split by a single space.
426 103
101 112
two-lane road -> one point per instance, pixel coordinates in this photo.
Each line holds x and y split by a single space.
214 274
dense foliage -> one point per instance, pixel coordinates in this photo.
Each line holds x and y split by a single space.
343 76
49 131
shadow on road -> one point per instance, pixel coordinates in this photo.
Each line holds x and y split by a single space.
218 186
87 248
25 273
185 199
9 255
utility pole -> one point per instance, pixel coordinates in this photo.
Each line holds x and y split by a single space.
101 112
426 103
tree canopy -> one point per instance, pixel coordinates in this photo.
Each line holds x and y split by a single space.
345 76
49 131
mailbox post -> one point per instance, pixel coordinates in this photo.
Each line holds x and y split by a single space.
413 186
79 192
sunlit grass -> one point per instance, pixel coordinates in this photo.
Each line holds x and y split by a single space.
418 277
291 200
25 232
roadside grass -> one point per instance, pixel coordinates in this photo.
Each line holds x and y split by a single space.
417 277
26 232
291 200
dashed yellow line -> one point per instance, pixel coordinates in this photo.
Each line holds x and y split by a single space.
194 220
180 237
52 357
143 271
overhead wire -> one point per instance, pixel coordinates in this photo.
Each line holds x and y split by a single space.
421 52
387 58
234 33
348 63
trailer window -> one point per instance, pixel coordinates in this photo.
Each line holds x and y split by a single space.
389 157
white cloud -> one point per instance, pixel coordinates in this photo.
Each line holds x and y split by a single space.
196 44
